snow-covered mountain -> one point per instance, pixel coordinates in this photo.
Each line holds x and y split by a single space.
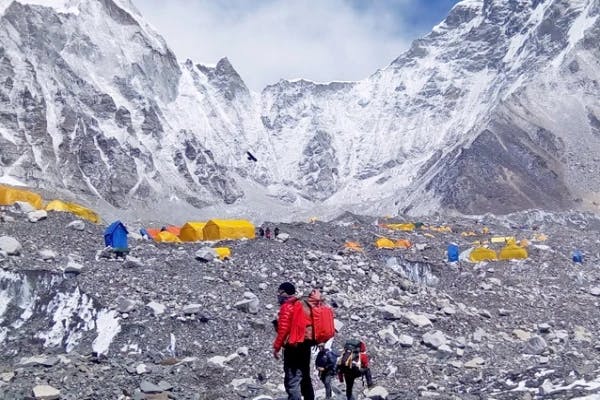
495 110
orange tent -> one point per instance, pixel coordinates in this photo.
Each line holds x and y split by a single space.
403 244
355 246
152 232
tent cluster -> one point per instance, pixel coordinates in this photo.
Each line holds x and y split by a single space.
194 231
10 195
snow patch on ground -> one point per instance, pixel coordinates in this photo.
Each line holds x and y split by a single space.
107 326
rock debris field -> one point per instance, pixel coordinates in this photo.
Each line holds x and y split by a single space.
162 324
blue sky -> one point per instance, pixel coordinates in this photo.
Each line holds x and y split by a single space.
267 40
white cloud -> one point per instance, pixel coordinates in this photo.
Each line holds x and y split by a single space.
272 39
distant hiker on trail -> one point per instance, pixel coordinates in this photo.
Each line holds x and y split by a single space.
296 350
276 232
261 232
326 364
268 233
163 229
352 364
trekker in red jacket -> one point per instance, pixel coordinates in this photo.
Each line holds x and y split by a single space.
292 325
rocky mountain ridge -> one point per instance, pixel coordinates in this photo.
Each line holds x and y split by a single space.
494 111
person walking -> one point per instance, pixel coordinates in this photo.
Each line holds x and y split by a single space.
325 363
291 325
354 363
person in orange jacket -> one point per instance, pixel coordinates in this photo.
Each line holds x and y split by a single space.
291 325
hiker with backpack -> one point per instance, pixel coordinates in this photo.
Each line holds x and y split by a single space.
325 363
354 363
301 324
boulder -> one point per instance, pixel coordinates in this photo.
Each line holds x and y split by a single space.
73 267
47 254
434 339
132 262
535 345
10 245
249 304
149 387
38 215
77 225
205 254
405 341
45 392
418 320
283 237
157 308
377 393
192 309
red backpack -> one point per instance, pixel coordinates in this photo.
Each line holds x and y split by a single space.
312 320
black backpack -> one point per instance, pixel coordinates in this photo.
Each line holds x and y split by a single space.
349 361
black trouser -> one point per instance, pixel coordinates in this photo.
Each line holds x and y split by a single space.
296 365
349 379
326 378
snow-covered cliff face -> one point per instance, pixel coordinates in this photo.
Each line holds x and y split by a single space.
495 110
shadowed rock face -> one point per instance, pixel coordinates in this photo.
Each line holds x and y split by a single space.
502 169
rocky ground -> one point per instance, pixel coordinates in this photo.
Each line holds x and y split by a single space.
162 324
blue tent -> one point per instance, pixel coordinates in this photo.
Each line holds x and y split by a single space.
453 252
115 235
577 256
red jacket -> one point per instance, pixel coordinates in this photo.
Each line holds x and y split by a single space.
291 323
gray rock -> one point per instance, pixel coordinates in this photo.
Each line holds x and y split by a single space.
249 305
418 320
391 312
192 309
125 305
535 345
377 393
77 225
595 291
164 385
47 254
46 392
10 245
38 361
242 351
7 376
544 328
22 207
205 254
388 335
283 237
132 262
149 387
405 340
38 215
476 362
157 308
73 267
434 339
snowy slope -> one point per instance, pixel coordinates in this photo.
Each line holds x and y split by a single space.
495 110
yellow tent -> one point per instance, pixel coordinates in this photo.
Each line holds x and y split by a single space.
511 251
192 231
223 252
219 229
384 243
9 196
503 239
401 227
540 237
482 254
441 229
403 243
355 246
429 235
470 233
485 230
76 209
166 237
